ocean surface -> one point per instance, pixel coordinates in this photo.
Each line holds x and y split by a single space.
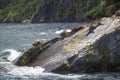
16 38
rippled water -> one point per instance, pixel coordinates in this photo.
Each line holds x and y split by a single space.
15 38
20 36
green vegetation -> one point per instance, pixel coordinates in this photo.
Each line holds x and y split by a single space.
89 49
18 10
55 10
105 8
65 10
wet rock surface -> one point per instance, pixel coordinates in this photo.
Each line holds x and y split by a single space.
80 52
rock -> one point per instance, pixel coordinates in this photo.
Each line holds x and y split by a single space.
28 56
32 53
80 52
101 53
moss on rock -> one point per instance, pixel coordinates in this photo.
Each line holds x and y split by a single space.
89 49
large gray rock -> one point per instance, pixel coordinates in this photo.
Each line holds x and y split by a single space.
83 52
100 51
102 55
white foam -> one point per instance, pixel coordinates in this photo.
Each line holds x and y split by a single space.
54 76
43 33
13 54
22 71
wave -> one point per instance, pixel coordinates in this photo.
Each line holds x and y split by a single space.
11 53
43 33
22 71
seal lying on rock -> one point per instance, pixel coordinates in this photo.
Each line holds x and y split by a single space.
93 26
68 32
65 33
38 42
74 30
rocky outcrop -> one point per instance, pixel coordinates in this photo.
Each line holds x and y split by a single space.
81 52
100 51
32 53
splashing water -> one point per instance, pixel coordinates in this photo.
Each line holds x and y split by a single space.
13 54
22 71
10 69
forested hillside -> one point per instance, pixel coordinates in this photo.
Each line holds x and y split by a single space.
55 10
18 10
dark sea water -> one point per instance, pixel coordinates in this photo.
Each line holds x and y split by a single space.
15 38
20 36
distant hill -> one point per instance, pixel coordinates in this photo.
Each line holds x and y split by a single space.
55 10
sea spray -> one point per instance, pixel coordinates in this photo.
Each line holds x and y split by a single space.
30 71
11 54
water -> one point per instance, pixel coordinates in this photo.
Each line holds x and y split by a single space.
15 38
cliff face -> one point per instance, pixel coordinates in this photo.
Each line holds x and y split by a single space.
93 48
64 10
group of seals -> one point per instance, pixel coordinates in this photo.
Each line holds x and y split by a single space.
66 33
